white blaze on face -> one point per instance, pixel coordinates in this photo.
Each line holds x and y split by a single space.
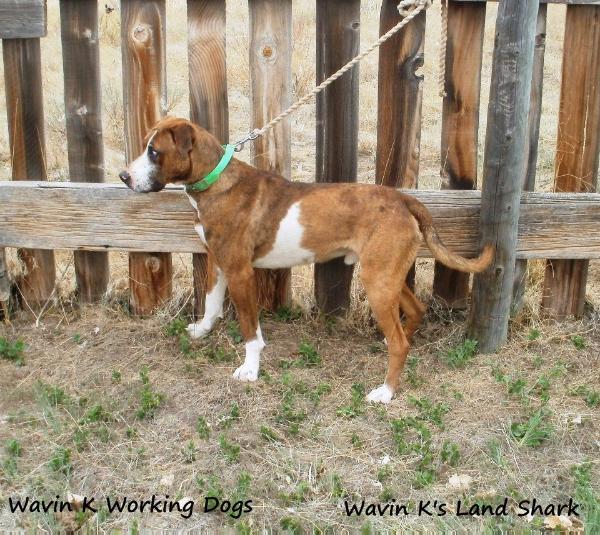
249 370
141 171
287 250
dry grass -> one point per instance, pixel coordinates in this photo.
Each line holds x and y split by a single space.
95 355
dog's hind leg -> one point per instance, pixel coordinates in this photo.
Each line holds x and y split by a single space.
213 306
383 279
413 309
243 292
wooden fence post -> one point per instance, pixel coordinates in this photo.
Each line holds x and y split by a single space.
338 41
83 110
4 286
533 128
460 124
144 99
24 104
271 75
400 102
208 94
504 166
577 148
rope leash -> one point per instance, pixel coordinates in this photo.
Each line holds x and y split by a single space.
409 9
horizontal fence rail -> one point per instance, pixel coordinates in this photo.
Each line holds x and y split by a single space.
80 216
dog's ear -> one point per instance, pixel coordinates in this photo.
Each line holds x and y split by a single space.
184 138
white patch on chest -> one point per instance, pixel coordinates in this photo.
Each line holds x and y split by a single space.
192 201
200 230
287 250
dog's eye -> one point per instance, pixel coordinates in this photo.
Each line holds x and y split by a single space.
152 154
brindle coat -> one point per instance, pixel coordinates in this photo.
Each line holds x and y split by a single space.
240 215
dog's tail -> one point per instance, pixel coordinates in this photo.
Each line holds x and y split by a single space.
437 247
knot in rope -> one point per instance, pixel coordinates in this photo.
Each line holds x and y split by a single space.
405 7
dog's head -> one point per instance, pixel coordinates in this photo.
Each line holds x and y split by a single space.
176 151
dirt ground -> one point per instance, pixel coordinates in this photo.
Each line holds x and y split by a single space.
106 405
96 403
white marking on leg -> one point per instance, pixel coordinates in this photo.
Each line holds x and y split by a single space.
287 250
200 231
213 308
383 394
249 370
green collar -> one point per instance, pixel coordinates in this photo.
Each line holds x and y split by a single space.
214 175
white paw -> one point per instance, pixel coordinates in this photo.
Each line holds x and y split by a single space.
197 330
383 394
246 372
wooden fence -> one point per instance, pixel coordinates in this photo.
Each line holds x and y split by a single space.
92 220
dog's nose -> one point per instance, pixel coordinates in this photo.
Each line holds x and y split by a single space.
125 176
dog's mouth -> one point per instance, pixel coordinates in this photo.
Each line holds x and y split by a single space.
149 185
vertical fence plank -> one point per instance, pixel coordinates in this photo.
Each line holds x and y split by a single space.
144 97
504 165
338 41
24 104
400 101
577 149
208 94
83 110
460 124
533 127
271 75
4 285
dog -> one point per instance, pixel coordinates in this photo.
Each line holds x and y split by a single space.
252 219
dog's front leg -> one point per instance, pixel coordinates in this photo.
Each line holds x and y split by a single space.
242 289
213 305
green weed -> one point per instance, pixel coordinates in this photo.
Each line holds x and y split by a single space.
233 331
495 452
587 497
412 377
230 450
589 396
337 488
242 486
12 351
150 400
218 354
430 411
176 327
13 448
357 402
232 416
356 441
298 495
51 395
268 434
462 354
534 432
534 334
450 453
211 488
287 314
578 341
291 525
309 357
189 452
60 461
202 428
